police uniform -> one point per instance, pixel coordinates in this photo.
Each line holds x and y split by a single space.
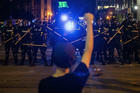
39 38
17 30
25 48
99 46
115 42
106 38
135 42
127 35
1 34
10 39
95 48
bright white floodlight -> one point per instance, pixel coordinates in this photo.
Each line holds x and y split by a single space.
64 17
69 26
136 7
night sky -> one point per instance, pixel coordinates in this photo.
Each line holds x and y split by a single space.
82 6
11 7
78 7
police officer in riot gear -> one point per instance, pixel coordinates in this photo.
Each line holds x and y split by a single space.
10 37
26 40
39 37
99 44
127 35
115 42
136 44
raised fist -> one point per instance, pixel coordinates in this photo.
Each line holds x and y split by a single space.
89 17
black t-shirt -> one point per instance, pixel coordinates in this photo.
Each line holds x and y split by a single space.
69 83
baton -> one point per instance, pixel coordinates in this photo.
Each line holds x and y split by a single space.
22 37
84 38
35 45
115 34
57 33
130 40
10 38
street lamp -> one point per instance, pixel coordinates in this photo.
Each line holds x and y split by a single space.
137 11
136 7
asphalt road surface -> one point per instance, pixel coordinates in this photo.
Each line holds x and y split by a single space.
114 78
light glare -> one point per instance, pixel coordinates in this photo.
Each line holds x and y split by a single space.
70 26
64 17
136 7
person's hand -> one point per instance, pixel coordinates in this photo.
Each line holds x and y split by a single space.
119 32
105 38
44 44
89 17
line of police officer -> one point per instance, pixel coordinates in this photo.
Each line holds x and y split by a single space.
110 35
28 37
122 37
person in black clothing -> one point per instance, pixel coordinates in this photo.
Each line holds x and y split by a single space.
110 44
10 37
66 80
106 38
1 27
1 33
44 42
100 45
115 42
39 38
93 57
17 30
127 35
26 40
99 48
136 44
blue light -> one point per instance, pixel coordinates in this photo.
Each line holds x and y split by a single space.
33 20
64 17
70 26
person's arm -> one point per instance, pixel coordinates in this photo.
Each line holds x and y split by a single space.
89 40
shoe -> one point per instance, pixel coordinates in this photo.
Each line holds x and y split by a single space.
98 69
97 72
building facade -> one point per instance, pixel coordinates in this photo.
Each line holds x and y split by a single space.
119 7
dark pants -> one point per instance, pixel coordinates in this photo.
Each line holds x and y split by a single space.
99 52
100 55
136 51
118 47
92 58
24 50
127 51
43 54
14 51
